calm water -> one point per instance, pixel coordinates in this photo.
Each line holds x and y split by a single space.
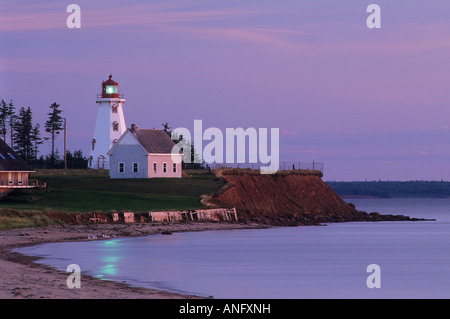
292 262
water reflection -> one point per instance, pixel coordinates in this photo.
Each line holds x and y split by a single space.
111 255
294 262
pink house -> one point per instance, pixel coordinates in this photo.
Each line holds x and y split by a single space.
144 153
14 171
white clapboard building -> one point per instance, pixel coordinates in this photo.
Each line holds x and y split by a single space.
110 124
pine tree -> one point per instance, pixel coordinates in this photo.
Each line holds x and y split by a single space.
12 120
36 139
6 111
54 125
76 160
22 134
3 117
190 155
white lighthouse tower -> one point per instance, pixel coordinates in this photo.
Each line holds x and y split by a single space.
110 124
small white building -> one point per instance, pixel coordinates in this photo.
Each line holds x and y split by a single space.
14 171
144 153
109 126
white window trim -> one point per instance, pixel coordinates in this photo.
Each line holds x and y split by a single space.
118 168
137 171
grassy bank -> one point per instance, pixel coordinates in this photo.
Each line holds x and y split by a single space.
91 191
17 219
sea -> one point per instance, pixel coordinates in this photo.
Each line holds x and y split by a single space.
355 260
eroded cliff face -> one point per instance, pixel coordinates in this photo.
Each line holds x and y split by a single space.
286 198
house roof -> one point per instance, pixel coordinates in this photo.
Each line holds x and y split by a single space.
154 141
10 161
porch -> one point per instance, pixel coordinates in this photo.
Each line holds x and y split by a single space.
19 183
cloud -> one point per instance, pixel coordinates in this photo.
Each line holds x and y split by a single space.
289 132
240 24
53 16
32 21
43 64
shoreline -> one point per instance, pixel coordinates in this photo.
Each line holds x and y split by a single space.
21 277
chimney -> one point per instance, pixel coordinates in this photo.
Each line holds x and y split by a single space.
133 128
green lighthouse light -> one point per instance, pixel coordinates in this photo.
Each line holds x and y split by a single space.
110 89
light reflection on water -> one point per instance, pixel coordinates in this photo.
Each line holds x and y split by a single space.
293 262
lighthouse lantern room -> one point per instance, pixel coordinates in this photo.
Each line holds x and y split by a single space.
110 124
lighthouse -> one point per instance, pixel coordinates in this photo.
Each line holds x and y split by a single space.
110 124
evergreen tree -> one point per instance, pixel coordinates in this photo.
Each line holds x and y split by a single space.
12 120
76 160
6 111
190 157
3 118
54 125
22 134
36 139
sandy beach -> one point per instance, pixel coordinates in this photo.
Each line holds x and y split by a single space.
21 277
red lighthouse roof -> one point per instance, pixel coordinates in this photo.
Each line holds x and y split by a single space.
110 88
110 81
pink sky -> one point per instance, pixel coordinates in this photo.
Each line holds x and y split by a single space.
370 104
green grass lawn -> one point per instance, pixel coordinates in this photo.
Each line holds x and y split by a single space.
90 192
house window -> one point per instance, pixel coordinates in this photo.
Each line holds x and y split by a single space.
121 167
93 144
135 167
154 167
114 108
164 167
174 165
115 126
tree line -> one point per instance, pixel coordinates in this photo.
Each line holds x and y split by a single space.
24 136
388 189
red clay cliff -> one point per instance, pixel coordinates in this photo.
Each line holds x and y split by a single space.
286 198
